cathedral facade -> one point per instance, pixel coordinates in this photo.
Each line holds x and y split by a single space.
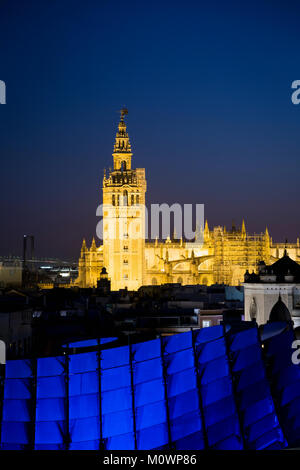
222 256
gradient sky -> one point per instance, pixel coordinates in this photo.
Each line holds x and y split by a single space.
208 89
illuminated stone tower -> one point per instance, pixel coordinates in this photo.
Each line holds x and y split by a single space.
124 216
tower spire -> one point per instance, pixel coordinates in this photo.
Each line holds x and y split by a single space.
122 149
206 231
243 227
267 233
83 247
243 230
93 246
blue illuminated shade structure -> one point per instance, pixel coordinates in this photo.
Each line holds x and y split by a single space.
205 389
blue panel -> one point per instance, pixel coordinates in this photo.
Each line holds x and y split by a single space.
51 387
219 410
13 446
254 393
179 361
151 438
108 340
16 410
247 358
291 392
243 339
48 366
149 392
146 351
17 388
83 406
86 429
206 335
209 351
292 410
213 370
50 409
114 357
183 404
15 432
117 423
181 382
83 383
233 442
269 440
191 442
250 375
258 429
148 370
258 410
57 446
83 362
217 390
287 376
49 432
112 379
85 445
116 400
185 425
18 369
82 344
120 442
177 342
150 415
221 430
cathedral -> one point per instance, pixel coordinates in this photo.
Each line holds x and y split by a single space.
223 256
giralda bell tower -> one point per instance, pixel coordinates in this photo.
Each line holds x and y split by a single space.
124 216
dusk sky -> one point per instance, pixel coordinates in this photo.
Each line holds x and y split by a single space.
208 90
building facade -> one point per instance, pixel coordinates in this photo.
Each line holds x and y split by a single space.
273 285
221 256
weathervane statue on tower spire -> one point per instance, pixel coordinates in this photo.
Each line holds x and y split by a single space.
123 112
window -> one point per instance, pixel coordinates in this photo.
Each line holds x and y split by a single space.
125 276
206 323
253 309
125 198
113 200
125 248
132 199
138 199
125 261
